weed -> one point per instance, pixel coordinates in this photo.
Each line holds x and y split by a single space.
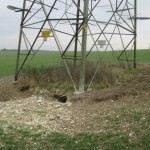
57 77
31 139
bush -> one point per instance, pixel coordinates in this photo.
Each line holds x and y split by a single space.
57 77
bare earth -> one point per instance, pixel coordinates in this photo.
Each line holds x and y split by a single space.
88 112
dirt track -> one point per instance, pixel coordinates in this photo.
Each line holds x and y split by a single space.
81 112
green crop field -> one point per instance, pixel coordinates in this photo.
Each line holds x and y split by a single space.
8 60
47 58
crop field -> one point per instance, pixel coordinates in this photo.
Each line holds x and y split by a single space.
47 58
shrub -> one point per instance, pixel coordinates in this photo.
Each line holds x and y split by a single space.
57 76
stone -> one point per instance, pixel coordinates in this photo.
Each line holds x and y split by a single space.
52 117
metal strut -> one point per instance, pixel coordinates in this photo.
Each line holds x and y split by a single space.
81 30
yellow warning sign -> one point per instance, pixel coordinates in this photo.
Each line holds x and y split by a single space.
84 27
46 33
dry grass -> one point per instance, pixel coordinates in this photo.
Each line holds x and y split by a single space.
57 77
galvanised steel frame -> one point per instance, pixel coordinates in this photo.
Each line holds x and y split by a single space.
87 21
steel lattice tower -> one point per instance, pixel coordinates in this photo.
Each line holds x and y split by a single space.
82 24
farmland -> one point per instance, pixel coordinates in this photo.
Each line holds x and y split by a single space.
46 58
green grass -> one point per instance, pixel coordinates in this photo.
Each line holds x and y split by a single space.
45 58
114 137
16 139
125 127
8 61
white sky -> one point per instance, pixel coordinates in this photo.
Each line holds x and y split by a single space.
10 21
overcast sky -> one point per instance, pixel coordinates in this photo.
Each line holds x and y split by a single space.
10 21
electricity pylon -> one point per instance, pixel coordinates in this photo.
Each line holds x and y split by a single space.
78 25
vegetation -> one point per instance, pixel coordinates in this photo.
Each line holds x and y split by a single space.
45 58
49 77
126 129
8 61
118 124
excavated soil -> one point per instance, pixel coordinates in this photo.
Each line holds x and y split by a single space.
38 108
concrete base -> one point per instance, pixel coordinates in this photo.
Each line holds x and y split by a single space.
78 92
15 82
